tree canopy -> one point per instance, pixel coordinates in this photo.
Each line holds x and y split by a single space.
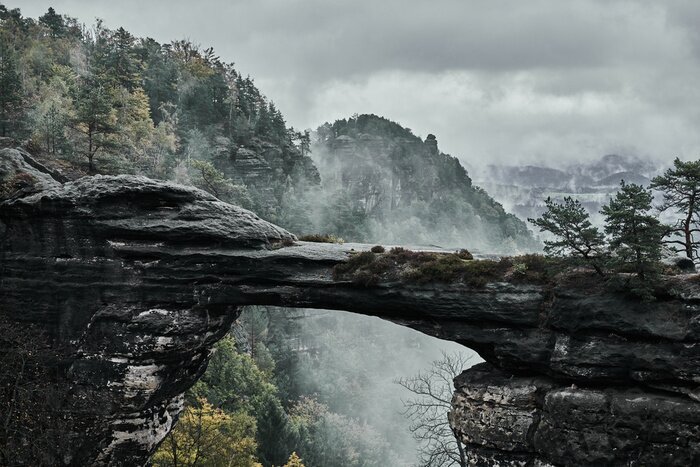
574 235
635 234
680 186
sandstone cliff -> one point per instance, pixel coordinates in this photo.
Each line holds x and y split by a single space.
133 281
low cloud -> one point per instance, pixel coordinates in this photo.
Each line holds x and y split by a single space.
496 81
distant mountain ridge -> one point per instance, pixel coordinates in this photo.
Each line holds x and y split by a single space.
523 189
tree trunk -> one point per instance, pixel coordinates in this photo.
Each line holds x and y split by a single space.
462 454
91 167
597 268
687 229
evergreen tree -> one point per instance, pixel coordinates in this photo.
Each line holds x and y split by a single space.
234 383
122 62
159 77
278 129
95 117
10 86
263 124
208 178
54 22
305 142
635 234
574 235
681 193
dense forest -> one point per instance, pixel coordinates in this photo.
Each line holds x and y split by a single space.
94 100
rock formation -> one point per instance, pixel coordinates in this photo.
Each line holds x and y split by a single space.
407 190
134 280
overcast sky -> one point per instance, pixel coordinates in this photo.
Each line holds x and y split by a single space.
494 80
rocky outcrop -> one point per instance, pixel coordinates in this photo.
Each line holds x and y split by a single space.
520 420
134 280
263 167
405 190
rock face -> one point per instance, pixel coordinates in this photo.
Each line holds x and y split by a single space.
408 190
134 280
507 420
263 166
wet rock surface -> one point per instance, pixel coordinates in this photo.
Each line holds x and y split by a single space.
135 280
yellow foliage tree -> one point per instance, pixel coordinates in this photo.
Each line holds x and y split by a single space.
294 461
207 436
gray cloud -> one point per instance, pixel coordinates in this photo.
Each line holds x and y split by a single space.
494 79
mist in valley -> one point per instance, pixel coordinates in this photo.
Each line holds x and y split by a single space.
351 363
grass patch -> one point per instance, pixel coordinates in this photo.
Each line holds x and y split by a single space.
356 263
368 269
321 238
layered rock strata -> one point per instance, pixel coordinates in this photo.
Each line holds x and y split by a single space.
135 280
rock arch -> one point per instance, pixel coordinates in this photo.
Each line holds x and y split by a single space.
134 280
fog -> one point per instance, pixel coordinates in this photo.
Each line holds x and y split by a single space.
506 82
351 363
368 182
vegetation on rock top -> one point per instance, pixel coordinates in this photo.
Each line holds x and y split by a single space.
368 269
321 238
634 238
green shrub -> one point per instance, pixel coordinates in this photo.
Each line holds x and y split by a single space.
464 254
377 249
520 268
365 279
355 263
369 269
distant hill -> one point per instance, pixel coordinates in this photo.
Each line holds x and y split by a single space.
391 185
524 189
627 176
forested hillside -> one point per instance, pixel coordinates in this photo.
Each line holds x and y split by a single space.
383 183
96 100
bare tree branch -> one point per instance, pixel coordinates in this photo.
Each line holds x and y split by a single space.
428 409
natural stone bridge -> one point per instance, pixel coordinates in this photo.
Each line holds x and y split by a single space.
134 280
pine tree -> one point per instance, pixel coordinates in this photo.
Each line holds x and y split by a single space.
263 124
122 62
278 129
574 235
635 235
54 22
95 116
681 191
